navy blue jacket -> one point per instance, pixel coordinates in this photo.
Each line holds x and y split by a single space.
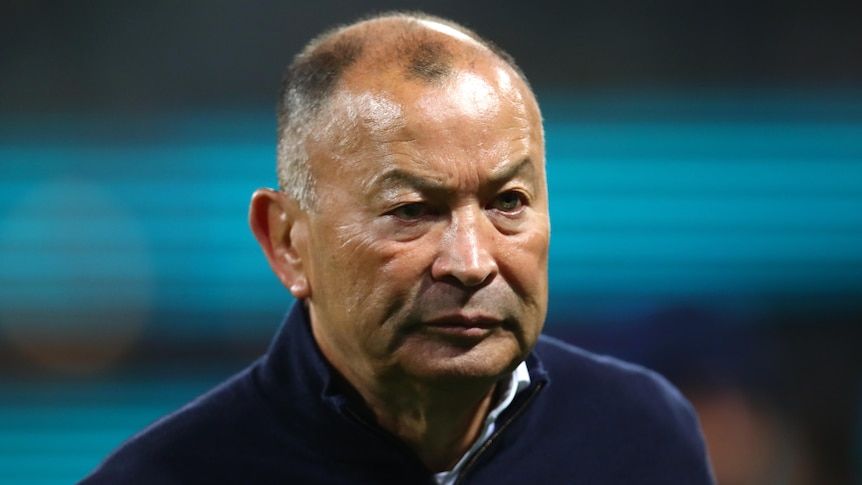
289 418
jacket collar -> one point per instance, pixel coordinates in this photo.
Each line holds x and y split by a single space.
298 378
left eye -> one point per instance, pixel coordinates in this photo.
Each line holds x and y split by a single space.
508 202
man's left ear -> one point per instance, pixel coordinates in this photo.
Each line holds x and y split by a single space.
280 227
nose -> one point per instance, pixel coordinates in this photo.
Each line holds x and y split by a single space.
466 250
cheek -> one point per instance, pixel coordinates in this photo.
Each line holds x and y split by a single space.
399 252
524 258
369 269
403 265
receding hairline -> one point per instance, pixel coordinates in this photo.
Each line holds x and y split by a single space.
422 45
410 46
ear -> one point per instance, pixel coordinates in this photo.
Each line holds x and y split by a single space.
281 229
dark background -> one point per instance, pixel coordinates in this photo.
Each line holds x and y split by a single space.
705 166
104 55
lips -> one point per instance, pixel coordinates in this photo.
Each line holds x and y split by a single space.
465 326
475 321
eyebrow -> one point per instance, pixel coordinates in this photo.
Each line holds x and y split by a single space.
398 177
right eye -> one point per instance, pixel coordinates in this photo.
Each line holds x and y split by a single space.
410 212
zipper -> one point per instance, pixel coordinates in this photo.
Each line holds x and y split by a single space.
497 433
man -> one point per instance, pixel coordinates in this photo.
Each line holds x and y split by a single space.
412 228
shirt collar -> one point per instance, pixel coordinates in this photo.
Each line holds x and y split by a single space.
517 382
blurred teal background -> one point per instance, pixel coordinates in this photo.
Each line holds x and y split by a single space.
130 278
705 170
713 199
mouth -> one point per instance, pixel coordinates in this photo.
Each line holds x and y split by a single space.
464 326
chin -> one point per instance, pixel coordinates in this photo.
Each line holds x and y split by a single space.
486 361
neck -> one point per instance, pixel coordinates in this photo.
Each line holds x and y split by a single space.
439 423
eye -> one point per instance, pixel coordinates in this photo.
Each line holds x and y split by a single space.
410 212
508 202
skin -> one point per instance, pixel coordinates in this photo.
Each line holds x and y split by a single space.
424 266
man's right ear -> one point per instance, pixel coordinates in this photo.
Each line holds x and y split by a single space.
281 229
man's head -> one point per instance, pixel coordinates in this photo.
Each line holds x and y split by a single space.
312 78
413 216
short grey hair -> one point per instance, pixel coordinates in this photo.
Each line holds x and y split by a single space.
312 77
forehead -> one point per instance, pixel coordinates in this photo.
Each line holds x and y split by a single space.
477 120
487 96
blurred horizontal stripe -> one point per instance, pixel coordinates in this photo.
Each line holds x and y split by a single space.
106 223
648 198
58 432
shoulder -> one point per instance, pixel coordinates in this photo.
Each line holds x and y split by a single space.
580 370
191 438
620 412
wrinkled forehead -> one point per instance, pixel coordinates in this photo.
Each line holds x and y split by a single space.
368 111
386 99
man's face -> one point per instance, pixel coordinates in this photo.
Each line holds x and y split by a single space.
427 253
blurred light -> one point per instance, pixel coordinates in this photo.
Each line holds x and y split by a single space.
59 313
